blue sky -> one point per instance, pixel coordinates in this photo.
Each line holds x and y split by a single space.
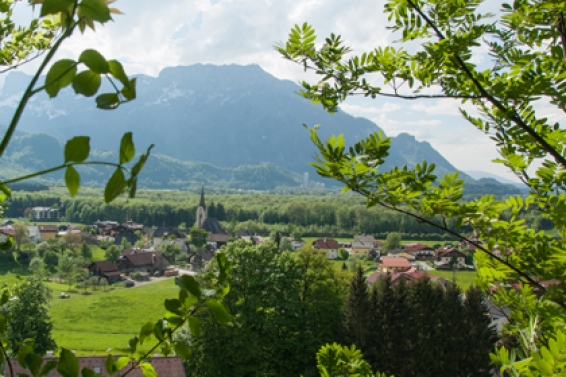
154 34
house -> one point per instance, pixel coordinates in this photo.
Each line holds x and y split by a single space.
45 214
163 233
217 240
393 264
361 249
151 261
104 228
198 260
449 258
34 234
295 244
105 269
5 234
164 366
130 237
365 238
47 231
329 245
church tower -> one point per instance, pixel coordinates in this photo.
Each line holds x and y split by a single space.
202 213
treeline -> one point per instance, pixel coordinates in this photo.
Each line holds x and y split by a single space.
259 212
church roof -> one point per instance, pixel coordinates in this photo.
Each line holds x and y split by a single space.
213 226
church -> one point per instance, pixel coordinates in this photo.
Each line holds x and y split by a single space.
217 235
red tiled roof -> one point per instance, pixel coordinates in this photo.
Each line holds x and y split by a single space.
164 366
8 232
326 243
415 247
395 262
48 228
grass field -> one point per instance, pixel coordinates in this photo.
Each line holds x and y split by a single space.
93 324
463 278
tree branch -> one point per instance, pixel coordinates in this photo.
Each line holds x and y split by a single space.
512 114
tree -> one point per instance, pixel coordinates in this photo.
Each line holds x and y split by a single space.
28 317
526 44
112 254
86 252
285 244
357 312
51 259
171 251
392 241
198 236
22 234
284 307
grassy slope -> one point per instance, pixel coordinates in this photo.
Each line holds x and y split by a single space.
463 278
91 324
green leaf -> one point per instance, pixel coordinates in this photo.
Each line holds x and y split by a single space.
87 372
55 6
94 61
23 351
6 190
127 148
189 284
129 91
48 367
115 185
107 101
117 71
147 370
7 245
173 305
146 331
77 149
122 362
96 10
183 350
158 329
72 180
86 83
133 344
68 365
220 313
60 75
110 365
195 326
34 362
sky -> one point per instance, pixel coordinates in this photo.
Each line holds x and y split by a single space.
151 35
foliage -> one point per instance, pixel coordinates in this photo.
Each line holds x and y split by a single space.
393 241
334 360
419 326
28 318
284 307
526 71
112 253
198 236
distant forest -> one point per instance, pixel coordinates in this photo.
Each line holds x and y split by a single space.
336 214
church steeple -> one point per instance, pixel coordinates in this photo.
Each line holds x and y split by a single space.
202 213
202 203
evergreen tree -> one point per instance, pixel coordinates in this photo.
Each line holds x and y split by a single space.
86 252
425 302
357 312
480 335
220 212
452 333
28 317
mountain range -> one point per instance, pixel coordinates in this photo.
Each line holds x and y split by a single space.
234 125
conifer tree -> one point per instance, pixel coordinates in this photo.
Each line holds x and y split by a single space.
452 332
425 301
357 312
480 336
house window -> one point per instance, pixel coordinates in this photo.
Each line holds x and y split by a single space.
96 369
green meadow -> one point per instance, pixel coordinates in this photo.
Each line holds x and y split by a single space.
104 321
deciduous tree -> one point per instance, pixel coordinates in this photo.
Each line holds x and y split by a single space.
524 74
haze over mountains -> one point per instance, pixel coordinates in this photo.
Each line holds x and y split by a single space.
234 125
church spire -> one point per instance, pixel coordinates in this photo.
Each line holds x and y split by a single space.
202 204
